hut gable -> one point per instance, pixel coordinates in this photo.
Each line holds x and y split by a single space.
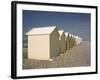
78 40
62 41
62 34
43 43
54 43
66 34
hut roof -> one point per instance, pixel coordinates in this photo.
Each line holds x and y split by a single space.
61 32
42 30
66 33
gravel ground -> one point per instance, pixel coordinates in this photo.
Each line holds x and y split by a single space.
75 57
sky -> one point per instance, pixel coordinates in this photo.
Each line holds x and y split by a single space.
75 23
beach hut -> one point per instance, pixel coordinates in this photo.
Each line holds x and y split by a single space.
70 41
73 41
67 40
62 41
78 40
43 43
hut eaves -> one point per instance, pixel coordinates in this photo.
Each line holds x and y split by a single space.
42 30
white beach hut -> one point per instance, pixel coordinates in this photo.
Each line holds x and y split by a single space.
73 41
67 40
43 43
78 40
62 41
70 40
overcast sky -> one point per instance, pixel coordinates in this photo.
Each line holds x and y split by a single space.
75 23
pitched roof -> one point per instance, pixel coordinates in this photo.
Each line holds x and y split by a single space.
76 37
61 32
42 30
70 35
73 36
66 33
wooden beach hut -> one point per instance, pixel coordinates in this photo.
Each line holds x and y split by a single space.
62 41
43 43
78 40
73 41
67 40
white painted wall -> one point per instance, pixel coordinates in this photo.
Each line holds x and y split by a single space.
38 47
